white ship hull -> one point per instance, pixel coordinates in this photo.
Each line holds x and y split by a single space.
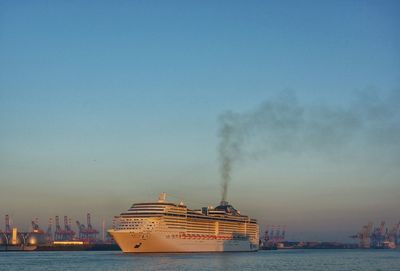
158 243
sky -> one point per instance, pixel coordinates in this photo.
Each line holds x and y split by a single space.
106 103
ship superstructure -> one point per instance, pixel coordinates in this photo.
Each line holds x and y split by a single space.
168 227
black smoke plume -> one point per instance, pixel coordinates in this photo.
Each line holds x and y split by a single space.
283 124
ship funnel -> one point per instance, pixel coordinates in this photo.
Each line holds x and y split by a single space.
162 197
224 203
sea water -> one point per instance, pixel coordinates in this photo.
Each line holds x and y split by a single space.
285 260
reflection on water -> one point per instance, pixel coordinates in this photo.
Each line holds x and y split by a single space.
329 260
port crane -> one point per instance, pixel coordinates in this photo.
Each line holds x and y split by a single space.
49 231
7 225
35 226
58 233
87 233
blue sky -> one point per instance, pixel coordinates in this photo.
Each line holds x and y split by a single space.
103 103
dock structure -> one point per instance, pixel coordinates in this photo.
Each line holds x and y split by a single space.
378 237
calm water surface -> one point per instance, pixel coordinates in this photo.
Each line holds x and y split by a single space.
329 260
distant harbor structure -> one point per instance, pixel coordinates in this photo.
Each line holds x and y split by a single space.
274 236
63 238
378 237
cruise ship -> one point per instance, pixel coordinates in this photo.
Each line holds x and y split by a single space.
163 226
